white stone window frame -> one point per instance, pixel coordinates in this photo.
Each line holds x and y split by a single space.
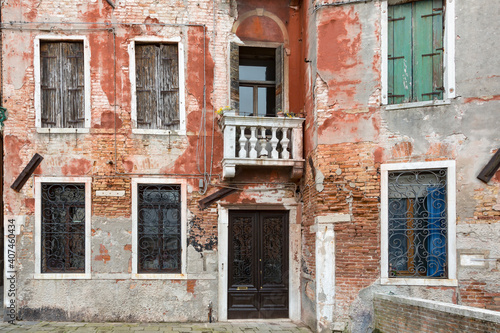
450 167
38 228
182 85
135 252
448 59
38 87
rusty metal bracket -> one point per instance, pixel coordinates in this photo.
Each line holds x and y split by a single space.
27 172
491 168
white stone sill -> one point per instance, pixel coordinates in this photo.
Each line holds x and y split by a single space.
62 276
419 282
47 130
389 107
141 131
173 277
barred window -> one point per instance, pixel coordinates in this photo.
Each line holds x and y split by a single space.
159 228
63 228
417 226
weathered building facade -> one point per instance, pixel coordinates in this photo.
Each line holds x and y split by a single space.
232 159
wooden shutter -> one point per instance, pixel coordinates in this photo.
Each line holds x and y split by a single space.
428 50
279 78
145 71
72 85
50 83
234 73
168 90
399 53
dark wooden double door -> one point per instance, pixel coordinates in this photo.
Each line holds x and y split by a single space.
258 264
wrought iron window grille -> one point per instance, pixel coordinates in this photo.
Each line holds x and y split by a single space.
159 228
63 228
418 223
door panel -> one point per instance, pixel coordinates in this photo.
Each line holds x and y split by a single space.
258 264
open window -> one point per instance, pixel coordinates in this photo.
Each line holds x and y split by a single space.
256 80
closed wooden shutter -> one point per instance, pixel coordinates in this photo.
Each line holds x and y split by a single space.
50 87
145 72
234 73
428 50
279 78
72 85
415 55
62 84
399 55
168 79
157 86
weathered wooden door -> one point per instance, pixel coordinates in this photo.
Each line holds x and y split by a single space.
258 264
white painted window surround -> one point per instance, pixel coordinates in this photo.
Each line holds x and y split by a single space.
38 88
448 59
182 85
451 232
38 227
159 276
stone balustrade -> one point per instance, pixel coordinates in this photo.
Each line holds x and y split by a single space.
265 141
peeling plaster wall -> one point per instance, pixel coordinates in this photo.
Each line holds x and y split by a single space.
112 154
354 135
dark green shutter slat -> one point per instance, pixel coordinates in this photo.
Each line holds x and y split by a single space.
399 55
234 76
423 50
438 47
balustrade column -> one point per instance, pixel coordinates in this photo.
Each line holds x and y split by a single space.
285 154
243 141
263 143
253 142
274 143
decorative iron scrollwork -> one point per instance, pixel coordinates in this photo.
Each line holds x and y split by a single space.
159 228
243 251
63 228
417 223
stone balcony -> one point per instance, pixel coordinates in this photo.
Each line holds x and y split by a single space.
262 141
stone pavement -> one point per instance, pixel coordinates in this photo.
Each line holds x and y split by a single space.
233 326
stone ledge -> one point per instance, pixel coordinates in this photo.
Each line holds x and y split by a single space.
460 310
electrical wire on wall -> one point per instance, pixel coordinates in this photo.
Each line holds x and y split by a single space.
61 27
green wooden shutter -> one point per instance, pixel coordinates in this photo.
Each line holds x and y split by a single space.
72 85
50 83
400 65
279 78
146 74
428 50
234 74
168 79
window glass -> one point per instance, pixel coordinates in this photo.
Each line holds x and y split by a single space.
159 229
63 228
417 223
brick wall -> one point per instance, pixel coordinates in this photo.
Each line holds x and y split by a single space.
403 314
351 186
